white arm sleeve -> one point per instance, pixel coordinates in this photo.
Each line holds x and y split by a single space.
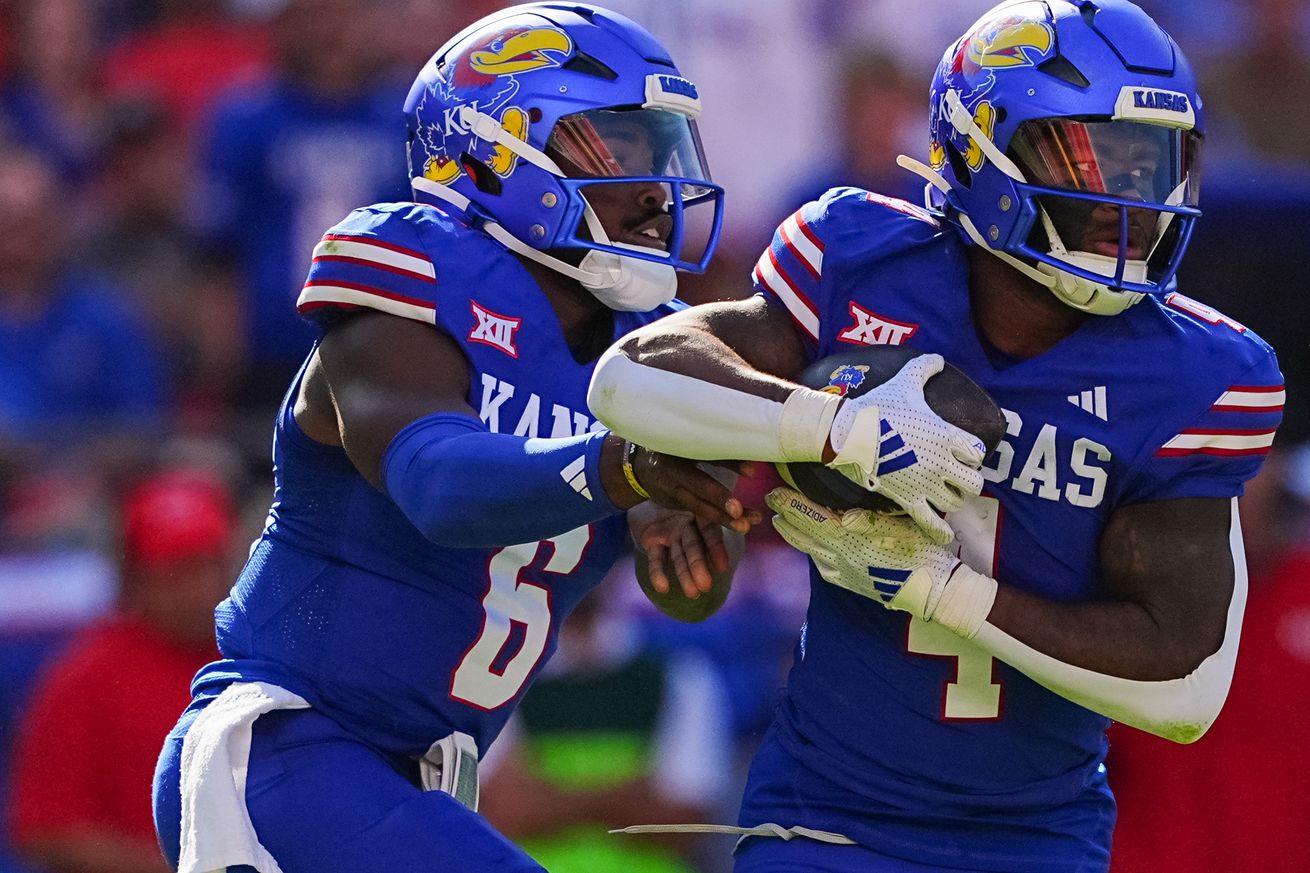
684 416
1176 709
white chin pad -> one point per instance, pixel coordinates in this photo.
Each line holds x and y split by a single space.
1134 271
1094 297
629 284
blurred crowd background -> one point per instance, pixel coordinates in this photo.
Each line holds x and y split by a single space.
165 169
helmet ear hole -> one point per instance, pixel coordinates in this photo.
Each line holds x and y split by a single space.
483 177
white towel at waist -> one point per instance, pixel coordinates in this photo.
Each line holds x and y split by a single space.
216 828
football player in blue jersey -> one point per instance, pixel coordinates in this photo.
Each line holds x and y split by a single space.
954 679
443 498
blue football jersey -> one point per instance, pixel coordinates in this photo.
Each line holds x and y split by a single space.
915 729
343 600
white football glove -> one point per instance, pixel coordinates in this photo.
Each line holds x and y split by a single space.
885 558
890 441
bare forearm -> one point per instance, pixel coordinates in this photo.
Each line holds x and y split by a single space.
695 352
1165 691
1168 573
1159 653
1115 638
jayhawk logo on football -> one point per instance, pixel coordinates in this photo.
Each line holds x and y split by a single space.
484 75
845 379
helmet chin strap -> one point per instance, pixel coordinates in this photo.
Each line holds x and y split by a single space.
630 284
934 178
1175 198
503 236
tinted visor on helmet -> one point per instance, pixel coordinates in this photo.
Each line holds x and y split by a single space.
655 147
1108 167
604 143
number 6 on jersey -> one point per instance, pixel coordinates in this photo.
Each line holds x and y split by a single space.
485 678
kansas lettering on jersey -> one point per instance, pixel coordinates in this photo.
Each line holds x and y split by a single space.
910 726
343 601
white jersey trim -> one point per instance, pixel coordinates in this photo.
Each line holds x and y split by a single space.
316 294
800 244
1220 442
372 253
1179 709
1251 400
776 281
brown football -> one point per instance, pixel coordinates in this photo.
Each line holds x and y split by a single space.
950 394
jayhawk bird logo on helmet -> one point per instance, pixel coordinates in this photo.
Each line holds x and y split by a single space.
1016 38
1000 44
483 75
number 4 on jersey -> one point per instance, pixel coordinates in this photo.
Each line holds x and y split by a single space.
974 694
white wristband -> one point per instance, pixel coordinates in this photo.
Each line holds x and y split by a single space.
805 423
966 602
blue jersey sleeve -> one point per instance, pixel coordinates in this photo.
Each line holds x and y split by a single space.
374 259
845 230
1217 449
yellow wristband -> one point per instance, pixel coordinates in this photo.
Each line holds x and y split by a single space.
629 448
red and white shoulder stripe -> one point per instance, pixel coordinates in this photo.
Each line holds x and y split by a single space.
1251 398
803 243
1256 404
1213 441
352 271
791 265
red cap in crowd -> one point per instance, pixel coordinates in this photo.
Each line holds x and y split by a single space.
174 516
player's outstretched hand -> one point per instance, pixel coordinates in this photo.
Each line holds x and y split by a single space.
683 563
890 441
678 547
885 558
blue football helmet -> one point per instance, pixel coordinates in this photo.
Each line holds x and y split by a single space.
526 113
1064 137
